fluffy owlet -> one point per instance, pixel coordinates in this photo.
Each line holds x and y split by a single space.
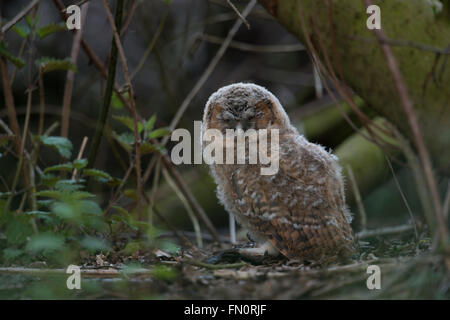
298 211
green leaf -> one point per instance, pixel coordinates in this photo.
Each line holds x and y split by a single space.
79 195
44 203
31 22
116 102
94 244
125 140
68 186
150 123
63 145
129 123
80 163
37 213
91 207
60 167
22 30
122 211
11 254
147 147
18 62
54 194
51 64
49 180
114 182
66 211
158 133
45 241
50 29
164 273
98 174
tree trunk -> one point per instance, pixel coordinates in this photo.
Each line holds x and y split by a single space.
338 30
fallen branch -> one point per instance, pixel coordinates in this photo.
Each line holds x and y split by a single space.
365 234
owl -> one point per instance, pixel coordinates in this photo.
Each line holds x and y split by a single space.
298 211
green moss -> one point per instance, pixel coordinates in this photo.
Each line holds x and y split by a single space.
359 57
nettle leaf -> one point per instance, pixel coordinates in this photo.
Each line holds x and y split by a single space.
37 213
49 180
116 102
80 163
43 215
60 167
68 186
122 211
114 182
147 147
150 123
158 133
94 244
129 123
66 211
91 207
80 195
22 30
51 64
4 52
44 203
98 174
45 241
125 140
11 254
54 194
31 22
50 29
63 145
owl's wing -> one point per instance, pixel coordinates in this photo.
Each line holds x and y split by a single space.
300 211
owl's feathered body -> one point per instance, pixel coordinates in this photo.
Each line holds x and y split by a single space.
300 210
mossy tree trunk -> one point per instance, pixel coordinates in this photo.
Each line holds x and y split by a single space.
338 29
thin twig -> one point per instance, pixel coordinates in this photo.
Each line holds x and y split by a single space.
133 5
108 92
411 115
137 138
361 209
189 210
212 65
214 266
399 188
238 14
80 155
243 46
71 75
151 45
198 210
365 234
406 43
19 16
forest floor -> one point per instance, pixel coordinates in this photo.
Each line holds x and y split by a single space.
407 271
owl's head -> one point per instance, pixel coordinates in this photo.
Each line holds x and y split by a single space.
244 106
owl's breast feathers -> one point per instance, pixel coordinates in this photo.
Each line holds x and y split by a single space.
301 209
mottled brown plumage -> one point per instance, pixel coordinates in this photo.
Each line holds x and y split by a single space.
300 211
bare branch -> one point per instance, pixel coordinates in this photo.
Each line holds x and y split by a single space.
416 131
238 14
20 15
